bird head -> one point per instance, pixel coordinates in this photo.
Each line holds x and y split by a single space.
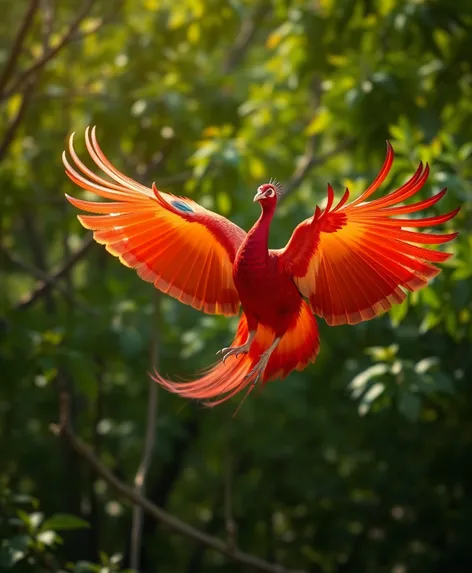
268 193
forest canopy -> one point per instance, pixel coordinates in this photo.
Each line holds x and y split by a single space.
360 463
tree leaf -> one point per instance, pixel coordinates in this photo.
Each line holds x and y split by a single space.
358 383
64 521
47 537
370 396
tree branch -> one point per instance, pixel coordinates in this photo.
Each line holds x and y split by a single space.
51 52
160 490
35 243
45 285
238 466
47 24
309 162
17 46
42 276
16 121
140 478
27 87
245 36
128 493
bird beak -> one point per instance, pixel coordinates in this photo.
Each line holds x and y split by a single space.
258 196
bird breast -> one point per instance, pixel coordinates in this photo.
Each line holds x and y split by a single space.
265 293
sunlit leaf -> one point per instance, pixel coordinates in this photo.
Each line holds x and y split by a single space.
320 122
358 383
425 364
47 537
369 397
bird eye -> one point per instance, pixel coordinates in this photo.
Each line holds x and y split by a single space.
270 193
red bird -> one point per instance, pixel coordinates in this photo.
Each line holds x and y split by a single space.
347 263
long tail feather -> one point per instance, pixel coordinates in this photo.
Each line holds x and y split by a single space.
297 348
221 381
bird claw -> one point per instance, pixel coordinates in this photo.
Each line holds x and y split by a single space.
232 351
257 370
256 379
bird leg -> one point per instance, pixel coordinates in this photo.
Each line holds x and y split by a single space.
237 350
263 360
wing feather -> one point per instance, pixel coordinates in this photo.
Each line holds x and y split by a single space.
355 260
184 249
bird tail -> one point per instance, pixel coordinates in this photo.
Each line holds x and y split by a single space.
297 347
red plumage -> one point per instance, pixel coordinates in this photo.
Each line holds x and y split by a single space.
347 263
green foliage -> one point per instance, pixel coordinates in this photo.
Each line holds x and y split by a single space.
359 463
400 382
29 540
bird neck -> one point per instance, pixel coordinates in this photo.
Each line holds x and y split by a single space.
259 234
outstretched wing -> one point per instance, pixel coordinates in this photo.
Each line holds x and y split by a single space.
355 260
184 249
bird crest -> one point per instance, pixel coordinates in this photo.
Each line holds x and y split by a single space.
277 186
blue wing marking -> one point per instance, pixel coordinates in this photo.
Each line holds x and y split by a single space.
182 206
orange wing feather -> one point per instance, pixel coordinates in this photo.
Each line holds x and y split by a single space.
355 261
183 249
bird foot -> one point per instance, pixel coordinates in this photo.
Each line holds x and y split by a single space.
259 368
233 351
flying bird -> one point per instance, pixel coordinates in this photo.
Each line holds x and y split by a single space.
347 263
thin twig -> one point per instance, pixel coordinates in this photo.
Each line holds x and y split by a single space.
309 162
35 243
17 46
130 494
47 24
43 287
239 466
51 52
94 516
16 121
247 32
42 276
27 88
149 441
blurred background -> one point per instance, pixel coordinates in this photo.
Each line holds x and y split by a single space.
361 463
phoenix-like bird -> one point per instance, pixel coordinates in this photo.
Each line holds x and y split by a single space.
347 263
